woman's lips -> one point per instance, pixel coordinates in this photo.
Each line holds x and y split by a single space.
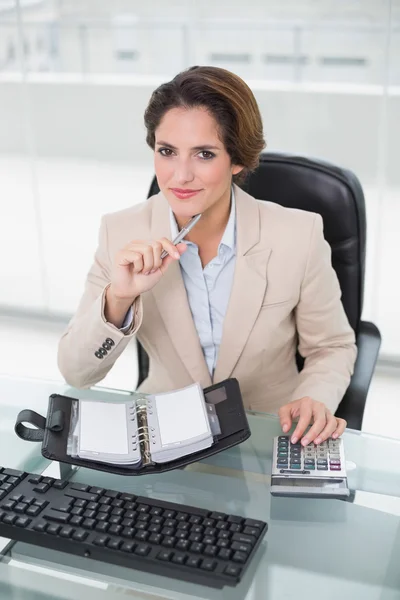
184 194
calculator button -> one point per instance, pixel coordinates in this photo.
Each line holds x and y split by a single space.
295 466
295 461
322 467
322 461
309 461
336 468
334 461
283 437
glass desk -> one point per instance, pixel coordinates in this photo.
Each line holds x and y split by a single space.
335 549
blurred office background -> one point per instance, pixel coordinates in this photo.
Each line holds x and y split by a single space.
75 77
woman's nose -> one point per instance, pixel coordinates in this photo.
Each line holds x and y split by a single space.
183 173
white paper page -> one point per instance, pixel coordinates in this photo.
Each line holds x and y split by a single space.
181 416
103 427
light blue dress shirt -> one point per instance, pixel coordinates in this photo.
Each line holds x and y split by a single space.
209 289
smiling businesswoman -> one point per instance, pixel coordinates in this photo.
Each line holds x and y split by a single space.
252 283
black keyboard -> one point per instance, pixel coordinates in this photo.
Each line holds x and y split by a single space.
184 542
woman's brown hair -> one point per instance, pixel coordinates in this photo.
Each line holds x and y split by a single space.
227 98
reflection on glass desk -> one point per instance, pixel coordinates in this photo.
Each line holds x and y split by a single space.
346 550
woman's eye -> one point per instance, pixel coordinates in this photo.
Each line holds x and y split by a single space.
165 151
207 155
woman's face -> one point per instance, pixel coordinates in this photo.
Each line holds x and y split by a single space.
193 168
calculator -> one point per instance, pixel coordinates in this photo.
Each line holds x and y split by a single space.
313 471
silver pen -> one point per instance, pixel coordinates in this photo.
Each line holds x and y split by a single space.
183 232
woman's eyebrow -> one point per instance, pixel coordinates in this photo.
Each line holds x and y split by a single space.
205 147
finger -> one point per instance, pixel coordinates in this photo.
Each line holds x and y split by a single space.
169 247
148 258
131 257
285 417
304 420
326 431
157 261
319 423
341 425
170 259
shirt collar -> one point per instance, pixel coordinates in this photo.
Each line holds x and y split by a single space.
229 237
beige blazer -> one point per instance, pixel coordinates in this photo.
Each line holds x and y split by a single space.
285 294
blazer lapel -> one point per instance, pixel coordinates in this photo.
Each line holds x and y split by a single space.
172 303
249 284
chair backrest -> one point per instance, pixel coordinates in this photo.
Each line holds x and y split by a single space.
333 192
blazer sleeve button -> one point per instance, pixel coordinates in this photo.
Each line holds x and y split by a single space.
102 351
106 346
98 354
110 341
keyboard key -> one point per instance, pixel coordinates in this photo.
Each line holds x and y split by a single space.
155 538
235 519
80 486
14 473
101 540
114 544
35 479
41 488
56 516
59 484
66 531
102 527
33 511
208 564
196 548
53 529
193 561
80 534
9 519
142 549
180 544
210 550
23 521
169 542
8 505
241 547
41 526
20 507
114 529
179 558
244 539
75 520
128 546
129 532
165 555
239 557
169 514
96 490
233 570
112 494
89 524
225 553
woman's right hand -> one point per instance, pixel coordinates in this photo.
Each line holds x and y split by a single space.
138 267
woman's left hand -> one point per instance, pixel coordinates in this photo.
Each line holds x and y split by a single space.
310 412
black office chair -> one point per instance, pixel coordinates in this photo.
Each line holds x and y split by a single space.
336 194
